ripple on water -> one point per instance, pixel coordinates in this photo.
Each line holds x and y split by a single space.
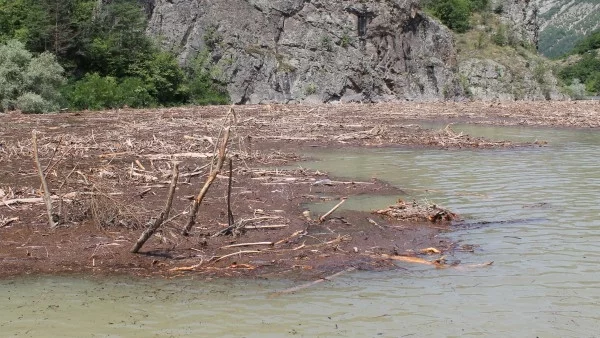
544 281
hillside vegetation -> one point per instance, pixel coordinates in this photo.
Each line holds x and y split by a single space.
96 54
494 62
563 23
581 68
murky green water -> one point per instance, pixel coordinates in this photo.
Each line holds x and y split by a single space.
545 280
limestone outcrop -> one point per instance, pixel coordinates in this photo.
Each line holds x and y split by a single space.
314 50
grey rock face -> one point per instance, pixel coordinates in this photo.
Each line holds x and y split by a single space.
314 51
488 80
522 18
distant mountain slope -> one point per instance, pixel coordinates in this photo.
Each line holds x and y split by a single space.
564 22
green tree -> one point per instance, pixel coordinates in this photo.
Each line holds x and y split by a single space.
26 79
203 89
117 42
164 78
589 43
453 13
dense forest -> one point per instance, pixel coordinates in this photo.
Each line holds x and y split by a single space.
90 54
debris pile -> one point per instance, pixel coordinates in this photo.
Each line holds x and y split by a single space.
416 211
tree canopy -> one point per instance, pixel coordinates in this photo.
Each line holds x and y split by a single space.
103 50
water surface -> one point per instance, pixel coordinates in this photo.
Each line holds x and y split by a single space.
544 281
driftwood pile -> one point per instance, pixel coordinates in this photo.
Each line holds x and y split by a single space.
415 211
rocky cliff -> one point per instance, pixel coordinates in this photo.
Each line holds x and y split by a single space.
314 50
522 18
348 51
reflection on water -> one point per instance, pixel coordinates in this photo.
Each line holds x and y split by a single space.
544 281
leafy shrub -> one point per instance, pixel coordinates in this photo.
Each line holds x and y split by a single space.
453 13
479 5
577 89
499 38
591 42
21 72
203 90
34 103
310 89
583 70
592 84
132 92
93 92
164 78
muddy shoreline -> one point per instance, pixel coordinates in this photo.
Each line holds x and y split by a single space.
109 173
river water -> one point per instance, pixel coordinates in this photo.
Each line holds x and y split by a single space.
541 228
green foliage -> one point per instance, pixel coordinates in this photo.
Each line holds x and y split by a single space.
592 84
22 73
133 92
586 70
164 78
20 20
453 13
212 38
326 43
110 60
479 5
310 89
499 37
345 40
117 42
576 90
93 92
203 90
590 43
33 103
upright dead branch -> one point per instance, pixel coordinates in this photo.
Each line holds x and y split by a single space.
211 177
163 215
47 198
230 219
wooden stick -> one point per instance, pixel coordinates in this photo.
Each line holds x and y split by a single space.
322 218
245 244
8 221
230 219
237 253
270 226
163 215
47 198
315 282
211 177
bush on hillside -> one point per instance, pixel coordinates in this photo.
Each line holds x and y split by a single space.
453 13
203 89
590 43
21 73
95 92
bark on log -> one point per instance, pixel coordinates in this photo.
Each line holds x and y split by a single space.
211 177
163 215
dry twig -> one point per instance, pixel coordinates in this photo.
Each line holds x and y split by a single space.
47 198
